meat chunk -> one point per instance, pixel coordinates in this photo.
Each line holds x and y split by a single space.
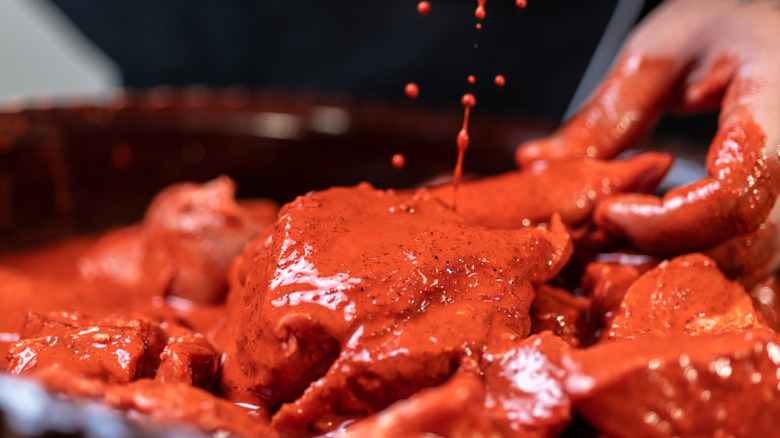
450 410
184 245
565 315
569 188
525 387
115 350
606 283
168 403
520 393
360 297
708 385
686 295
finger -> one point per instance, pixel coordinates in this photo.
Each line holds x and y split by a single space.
733 200
571 188
621 112
705 85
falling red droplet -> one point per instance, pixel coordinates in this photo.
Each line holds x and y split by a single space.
471 79
480 12
411 90
479 25
521 3
500 80
424 8
398 161
468 100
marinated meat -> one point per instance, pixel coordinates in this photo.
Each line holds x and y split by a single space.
184 245
565 315
686 295
362 312
114 349
452 409
525 387
686 386
360 297
606 284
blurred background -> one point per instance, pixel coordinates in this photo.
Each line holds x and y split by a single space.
362 49
42 54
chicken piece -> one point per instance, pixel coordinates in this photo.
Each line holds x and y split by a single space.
166 403
450 410
184 245
363 295
606 284
187 358
525 394
115 259
570 188
708 385
686 295
115 350
112 351
562 313
520 394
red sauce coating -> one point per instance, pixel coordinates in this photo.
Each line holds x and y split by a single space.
703 385
557 311
424 7
412 90
333 323
686 295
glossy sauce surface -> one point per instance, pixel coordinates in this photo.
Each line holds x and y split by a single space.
356 311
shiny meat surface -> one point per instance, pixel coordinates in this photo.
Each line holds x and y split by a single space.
360 296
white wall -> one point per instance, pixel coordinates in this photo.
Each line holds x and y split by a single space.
42 54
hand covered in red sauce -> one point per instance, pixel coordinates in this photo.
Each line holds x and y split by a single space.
688 55
357 298
570 188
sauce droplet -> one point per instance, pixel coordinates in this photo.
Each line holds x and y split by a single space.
500 80
468 100
471 79
411 90
480 12
424 8
479 25
398 161
521 3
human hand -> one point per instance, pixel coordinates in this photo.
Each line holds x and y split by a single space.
689 55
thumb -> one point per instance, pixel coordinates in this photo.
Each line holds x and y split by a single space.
622 110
